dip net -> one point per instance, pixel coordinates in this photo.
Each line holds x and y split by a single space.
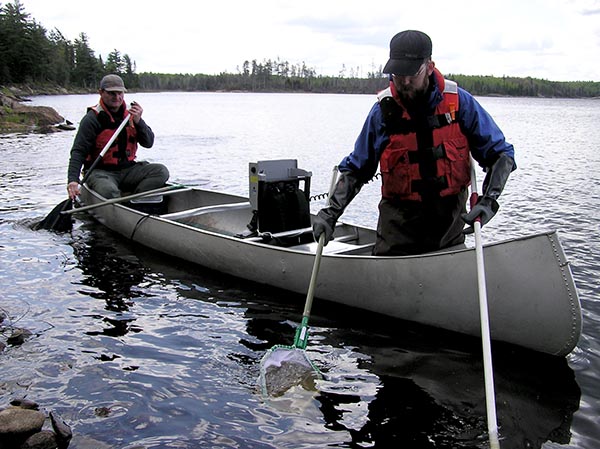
284 367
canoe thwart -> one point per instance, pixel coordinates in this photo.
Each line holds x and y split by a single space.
262 236
205 210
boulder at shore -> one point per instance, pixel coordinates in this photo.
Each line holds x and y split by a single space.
16 117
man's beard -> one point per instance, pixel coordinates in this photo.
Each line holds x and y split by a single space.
409 94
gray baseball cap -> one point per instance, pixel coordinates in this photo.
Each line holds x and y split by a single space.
112 83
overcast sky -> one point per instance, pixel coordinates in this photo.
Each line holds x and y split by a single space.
558 40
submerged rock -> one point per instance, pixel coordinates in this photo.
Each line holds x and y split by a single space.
18 336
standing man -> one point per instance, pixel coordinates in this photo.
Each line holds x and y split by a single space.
421 132
118 170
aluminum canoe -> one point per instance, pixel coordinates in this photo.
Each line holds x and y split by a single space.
533 301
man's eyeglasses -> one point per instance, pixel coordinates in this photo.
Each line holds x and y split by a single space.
412 77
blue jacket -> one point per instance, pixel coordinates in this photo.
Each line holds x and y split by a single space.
486 140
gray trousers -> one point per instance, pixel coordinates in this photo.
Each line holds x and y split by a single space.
141 177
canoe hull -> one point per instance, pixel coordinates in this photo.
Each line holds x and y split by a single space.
532 298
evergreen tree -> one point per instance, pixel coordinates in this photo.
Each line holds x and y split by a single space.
115 63
63 55
88 70
24 49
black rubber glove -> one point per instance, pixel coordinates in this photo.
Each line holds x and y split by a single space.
345 190
321 225
487 205
485 208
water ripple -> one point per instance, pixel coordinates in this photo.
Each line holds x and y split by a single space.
138 350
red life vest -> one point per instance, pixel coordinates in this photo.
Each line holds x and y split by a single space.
428 157
124 148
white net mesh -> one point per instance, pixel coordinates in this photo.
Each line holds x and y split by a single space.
284 367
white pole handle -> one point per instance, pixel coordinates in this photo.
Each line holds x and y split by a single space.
490 396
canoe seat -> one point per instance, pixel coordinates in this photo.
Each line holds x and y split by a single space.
356 249
336 247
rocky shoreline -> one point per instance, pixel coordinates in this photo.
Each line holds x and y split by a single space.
23 426
17 117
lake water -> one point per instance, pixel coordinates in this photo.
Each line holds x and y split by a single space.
137 350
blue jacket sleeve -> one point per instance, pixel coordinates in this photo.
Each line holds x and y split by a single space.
369 145
486 140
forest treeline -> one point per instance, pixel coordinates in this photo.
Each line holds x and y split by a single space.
32 55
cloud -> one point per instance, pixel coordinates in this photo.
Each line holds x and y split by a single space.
540 38
586 7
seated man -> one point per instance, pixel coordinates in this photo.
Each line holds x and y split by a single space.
118 170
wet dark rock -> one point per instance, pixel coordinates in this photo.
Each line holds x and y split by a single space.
102 412
61 429
25 403
66 126
21 427
18 336
17 424
46 439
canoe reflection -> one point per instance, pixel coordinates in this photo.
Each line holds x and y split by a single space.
431 392
113 275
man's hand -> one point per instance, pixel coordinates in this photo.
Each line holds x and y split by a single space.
135 110
73 189
485 208
320 226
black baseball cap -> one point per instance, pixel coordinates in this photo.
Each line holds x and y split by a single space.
408 50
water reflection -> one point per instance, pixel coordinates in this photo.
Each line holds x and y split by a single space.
435 398
389 383
430 390
114 276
